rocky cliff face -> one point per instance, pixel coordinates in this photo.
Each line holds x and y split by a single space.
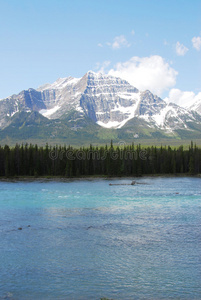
30 100
109 101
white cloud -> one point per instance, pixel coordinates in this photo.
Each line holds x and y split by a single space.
181 50
103 66
197 43
133 32
185 99
100 45
119 42
151 73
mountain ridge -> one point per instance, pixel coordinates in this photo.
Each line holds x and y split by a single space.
108 102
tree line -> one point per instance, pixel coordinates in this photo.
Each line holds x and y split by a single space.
126 160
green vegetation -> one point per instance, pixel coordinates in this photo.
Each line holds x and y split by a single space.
32 127
132 160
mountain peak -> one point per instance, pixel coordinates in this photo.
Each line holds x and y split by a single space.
108 101
60 83
90 72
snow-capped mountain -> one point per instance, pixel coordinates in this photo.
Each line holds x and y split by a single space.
196 106
108 101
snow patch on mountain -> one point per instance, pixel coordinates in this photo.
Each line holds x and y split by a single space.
161 117
129 111
59 84
13 113
48 112
79 109
110 124
196 106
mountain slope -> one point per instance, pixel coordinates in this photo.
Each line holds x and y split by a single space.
196 106
95 107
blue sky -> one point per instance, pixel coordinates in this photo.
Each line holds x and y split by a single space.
41 41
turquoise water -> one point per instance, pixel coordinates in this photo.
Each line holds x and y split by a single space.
87 240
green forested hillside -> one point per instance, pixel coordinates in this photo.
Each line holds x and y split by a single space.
32 127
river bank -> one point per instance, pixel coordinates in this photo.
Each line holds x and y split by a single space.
94 177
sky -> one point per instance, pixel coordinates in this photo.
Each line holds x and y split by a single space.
153 44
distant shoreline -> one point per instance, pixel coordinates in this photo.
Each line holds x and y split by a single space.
82 178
